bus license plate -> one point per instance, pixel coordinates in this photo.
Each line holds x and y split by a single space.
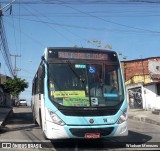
92 135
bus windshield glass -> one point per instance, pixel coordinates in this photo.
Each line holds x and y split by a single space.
88 84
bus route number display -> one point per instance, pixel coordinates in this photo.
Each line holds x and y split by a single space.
77 55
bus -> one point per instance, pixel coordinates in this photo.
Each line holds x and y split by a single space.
79 93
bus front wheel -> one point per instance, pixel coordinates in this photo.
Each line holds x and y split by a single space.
34 119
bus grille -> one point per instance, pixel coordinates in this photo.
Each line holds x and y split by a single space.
80 132
81 112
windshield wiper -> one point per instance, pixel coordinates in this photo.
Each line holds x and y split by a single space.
81 79
74 71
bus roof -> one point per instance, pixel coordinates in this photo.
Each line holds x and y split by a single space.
79 49
80 53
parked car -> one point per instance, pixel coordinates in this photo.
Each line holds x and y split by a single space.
22 102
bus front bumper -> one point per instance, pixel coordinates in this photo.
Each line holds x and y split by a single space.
54 131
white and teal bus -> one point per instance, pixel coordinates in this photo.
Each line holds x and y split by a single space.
79 93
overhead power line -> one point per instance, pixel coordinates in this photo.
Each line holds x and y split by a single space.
26 34
109 21
4 44
8 4
4 48
89 2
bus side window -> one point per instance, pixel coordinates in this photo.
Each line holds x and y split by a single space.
41 74
36 84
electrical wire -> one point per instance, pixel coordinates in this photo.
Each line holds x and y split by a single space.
20 35
65 3
5 48
92 28
14 33
27 35
47 24
109 21
89 2
62 35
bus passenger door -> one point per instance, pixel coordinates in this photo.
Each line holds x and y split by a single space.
41 95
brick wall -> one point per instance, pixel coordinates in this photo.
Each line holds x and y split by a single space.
136 67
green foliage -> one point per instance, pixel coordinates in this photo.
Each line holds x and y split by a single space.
15 86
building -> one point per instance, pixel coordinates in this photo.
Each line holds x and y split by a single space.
142 79
5 98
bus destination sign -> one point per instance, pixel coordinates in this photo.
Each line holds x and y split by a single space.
78 55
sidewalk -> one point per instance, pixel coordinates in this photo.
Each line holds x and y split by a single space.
135 114
144 116
4 112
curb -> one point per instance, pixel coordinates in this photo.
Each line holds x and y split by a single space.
144 119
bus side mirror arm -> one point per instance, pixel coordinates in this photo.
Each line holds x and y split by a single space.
42 66
44 60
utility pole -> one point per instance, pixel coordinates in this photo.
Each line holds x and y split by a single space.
15 70
4 45
124 65
125 68
0 72
143 70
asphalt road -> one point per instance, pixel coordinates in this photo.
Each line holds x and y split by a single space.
20 128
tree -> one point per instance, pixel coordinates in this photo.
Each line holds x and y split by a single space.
99 44
15 86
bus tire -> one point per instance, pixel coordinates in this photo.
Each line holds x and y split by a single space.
44 135
40 119
34 119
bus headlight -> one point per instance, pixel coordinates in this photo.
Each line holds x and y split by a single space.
55 118
123 117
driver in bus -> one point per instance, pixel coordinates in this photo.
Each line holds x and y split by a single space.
101 87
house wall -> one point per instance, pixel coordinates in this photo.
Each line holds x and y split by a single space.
1 96
143 73
135 67
140 67
151 98
3 78
139 78
5 98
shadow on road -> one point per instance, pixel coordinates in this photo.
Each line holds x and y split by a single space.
134 137
19 121
20 118
5 129
116 142
24 121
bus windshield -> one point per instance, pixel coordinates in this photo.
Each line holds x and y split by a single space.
88 84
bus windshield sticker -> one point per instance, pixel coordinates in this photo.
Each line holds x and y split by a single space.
51 85
69 94
111 95
94 101
84 101
52 93
80 66
92 69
